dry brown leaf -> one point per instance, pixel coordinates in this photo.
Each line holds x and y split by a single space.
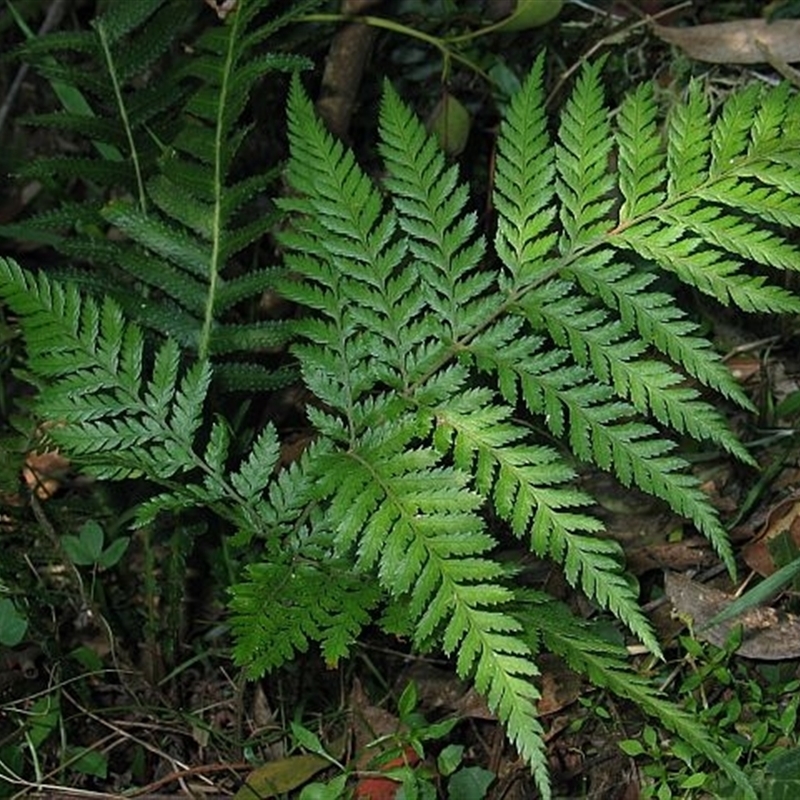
748 41
442 691
784 517
43 473
768 635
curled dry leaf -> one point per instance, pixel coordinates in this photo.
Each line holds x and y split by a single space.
748 41
768 635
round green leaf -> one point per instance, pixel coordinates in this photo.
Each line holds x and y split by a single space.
12 624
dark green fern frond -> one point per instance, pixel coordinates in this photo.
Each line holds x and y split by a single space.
177 247
279 609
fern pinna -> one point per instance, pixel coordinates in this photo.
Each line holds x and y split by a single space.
420 348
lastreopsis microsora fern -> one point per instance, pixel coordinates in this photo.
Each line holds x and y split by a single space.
423 346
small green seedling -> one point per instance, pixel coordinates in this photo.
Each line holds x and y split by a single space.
86 549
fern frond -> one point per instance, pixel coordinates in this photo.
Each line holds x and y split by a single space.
659 320
688 142
431 209
730 134
182 134
766 198
108 413
707 268
389 501
414 523
91 169
733 234
641 159
279 608
731 161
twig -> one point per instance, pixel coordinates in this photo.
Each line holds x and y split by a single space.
647 20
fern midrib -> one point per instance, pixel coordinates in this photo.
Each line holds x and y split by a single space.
214 266
123 112
732 171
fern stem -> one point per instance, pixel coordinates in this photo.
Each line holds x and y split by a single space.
123 111
219 191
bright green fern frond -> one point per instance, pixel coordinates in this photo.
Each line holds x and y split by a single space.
388 309
531 491
659 320
340 221
774 118
733 234
431 209
688 142
730 134
736 161
706 268
416 522
766 198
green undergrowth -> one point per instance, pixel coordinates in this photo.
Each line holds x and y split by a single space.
451 372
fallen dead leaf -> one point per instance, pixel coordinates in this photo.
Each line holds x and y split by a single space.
377 787
279 777
784 517
747 41
768 635
442 691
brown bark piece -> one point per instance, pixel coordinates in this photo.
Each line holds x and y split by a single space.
344 68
